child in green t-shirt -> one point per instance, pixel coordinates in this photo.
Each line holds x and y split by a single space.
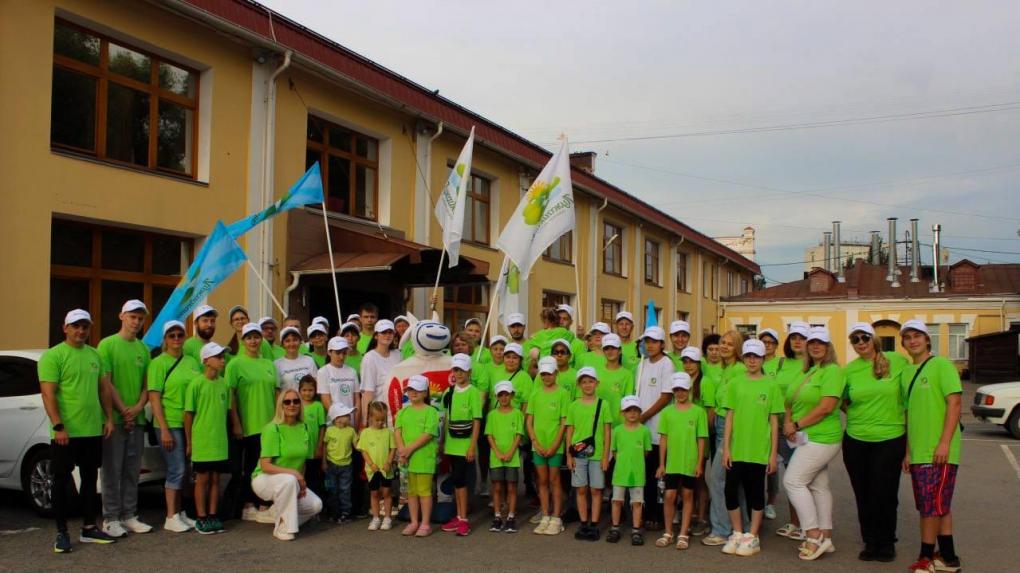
631 441
378 446
504 428
206 408
315 420
417 430
338 443
683 432
463 404
546 412
588 437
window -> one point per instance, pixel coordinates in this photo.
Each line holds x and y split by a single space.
18 377
463 302
608 310
682 284
683 315
936 338
957 341
562 248
888 343
730 284
117 103
98 268
652 262
748 330
743 285
476 210
350 168
612 249
552 299
706 279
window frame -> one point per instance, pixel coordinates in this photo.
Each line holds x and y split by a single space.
682 263
935 335
614 307
616 248
457 312
103 77
554 298
568 247
325 152
960 342
476 197
653 262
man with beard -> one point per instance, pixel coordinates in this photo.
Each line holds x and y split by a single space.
205 328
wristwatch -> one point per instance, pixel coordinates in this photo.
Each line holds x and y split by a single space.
58 427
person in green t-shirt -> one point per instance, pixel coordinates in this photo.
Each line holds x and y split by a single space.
932 395
125 361
206 408
204 324
594 356
317 340
770 338
702 392
812 421
589 434
416 432
463 403
368 314
546 411
271 349
279 476
167 378
504 428
378 446
630 444
350 332
315 420
679 338
683 434
788 368
625 330
615 380
565 375
338 462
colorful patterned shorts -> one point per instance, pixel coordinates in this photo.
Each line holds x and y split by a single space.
933 488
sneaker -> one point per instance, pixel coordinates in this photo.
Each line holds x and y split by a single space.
923 565
135 525
186 520
266 515
730 548
451 525
217 525
613 536
555 526
283 536
63 543
536 518
700 528
886 553
543 524
387 524
205 526
248 513
940 563
510 525
114 529
374 524
770 511
636 537
463 528
95 535
344 518
175 525
749 545
713 540
497 525
594 533
582 532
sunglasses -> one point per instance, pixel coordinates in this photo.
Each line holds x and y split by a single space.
175 335
291 401
859 338
559 353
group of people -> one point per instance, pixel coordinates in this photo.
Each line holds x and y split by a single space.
689 439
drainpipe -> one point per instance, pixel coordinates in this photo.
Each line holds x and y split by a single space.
266 231
295 279
593 235
428 182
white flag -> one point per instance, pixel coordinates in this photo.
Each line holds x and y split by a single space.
544 214
450 206
508 290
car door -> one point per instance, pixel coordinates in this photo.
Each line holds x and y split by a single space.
21 409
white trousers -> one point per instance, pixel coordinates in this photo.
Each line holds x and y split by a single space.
289 510
807 484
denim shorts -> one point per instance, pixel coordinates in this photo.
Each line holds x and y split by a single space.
504 474
588 473
176 463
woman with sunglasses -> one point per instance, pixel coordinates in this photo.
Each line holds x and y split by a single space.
875 440
280 474
168 377
789 369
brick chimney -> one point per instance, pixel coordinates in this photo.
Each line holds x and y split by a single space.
820 280
584 160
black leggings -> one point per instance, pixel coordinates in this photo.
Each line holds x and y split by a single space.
874 470
751 478
459 471
251 450
87 454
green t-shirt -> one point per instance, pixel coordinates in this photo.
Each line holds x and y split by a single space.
76 373
590 358
480 378
771 366
548 408
581 416
364 339
286 444
791 370
412 423
352 360
678 363
543 340
827 382
125 362
465 405
193 348
253 381
753 402
339 445
504 427
523 386
629 355
926 409
322 359
567 380
875 408
209 402
407 350
613 386
271 351
376 445
173 389
683 429
315 419
709 385
726 374
629 447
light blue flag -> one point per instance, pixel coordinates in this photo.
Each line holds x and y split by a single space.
306 191
650 320
218 258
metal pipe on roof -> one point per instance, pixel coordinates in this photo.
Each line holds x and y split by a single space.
936 230
837 259
875 257
915 254
893 276
827 250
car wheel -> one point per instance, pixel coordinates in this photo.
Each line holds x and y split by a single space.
1013 423
37 482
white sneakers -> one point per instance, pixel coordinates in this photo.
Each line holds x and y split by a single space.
387 524
374 524
135 525
186 520
555 526
543 524
175 524
749 545
283 536
114 529
248 513
770 511
732 542
265 516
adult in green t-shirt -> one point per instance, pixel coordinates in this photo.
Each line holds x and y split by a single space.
932 395
679 338
812 421
875 440
125 361
204 323
271 348
168 377
351 332
625 330
280 475
80 416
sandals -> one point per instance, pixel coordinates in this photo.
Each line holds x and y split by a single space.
682 542
820 545
665 540
786 530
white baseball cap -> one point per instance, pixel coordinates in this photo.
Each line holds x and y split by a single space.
611 341
250 328
461 362
497 338
515 318
210 350
134 305
680 381
267 320
171 324
77 315
562 342
513 348
630 402
349 325
624 314
587 371
547 365
565 308
384 325
914 324
769 331
399 318
236 308
350 317
862 327
337 343
321 320
691 353
338 410
204 310
471 320
600 327
316 327
504 386
417 382
799 327
753 346
289 330
819 333
679 326
655 333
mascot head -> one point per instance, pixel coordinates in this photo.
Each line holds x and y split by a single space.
429 337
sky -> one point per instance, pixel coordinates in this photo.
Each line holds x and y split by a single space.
782 115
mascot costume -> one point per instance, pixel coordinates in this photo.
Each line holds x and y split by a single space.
430 339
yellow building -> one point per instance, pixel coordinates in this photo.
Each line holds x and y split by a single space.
970 300
133 127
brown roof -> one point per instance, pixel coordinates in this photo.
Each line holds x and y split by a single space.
865 281
255 19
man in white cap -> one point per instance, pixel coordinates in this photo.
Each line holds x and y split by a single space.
204 320
271 349
125 361
679 337
624 323
80 415
653 389
516 326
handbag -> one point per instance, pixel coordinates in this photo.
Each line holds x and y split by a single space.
586 447
461 428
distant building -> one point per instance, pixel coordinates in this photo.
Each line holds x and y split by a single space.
814 257
743 244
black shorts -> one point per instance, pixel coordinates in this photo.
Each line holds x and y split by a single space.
378 482
459 470
675 481
219 467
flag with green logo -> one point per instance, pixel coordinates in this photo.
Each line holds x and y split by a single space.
450 206
306 191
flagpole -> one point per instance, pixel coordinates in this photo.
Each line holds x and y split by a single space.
332 265
577 285
492 307
279 307
439 273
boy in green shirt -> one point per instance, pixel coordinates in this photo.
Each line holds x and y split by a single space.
417 431
683 433
504 428
463 403
338 443
589 427
631 441
205 425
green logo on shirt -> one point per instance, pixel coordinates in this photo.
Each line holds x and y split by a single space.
762 398
653 381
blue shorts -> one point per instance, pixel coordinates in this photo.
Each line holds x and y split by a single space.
588 473
176 463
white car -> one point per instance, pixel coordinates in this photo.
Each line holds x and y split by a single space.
25 433
999 404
